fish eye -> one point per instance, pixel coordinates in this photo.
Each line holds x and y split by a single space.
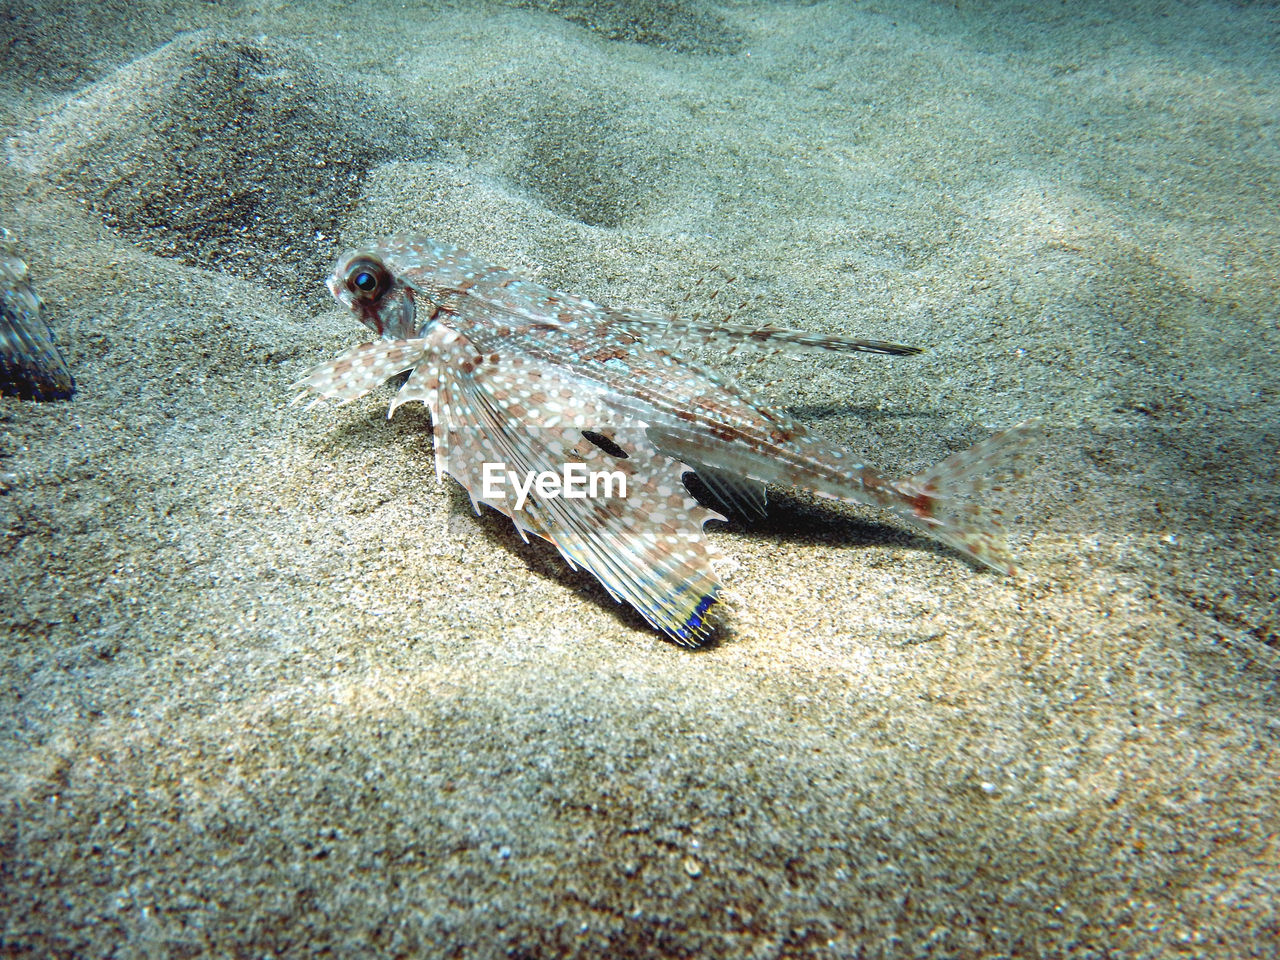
368 279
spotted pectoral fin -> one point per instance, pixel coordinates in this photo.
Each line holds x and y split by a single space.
356 371
637 531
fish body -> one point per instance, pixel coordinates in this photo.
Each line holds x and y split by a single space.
533 379
31 366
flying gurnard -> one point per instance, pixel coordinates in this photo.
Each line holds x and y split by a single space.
519 375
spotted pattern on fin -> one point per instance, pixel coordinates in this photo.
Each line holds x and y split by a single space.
357 371
936 496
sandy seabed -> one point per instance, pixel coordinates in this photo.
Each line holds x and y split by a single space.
270 690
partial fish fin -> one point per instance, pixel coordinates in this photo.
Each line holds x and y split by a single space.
356 371
522 416
31 366
422 385
744 496
934 496
674 332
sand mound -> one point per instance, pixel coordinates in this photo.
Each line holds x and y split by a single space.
563 129
679 27
576 163
224 152
64 44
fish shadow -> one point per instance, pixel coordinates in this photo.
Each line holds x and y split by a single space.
797 519
792 517
542 559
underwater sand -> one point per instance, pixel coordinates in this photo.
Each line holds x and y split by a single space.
269 689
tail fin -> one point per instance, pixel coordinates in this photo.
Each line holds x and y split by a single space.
935 496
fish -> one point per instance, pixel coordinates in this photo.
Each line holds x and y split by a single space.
31 365
523 379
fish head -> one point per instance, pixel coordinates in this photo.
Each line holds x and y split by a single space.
367 284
